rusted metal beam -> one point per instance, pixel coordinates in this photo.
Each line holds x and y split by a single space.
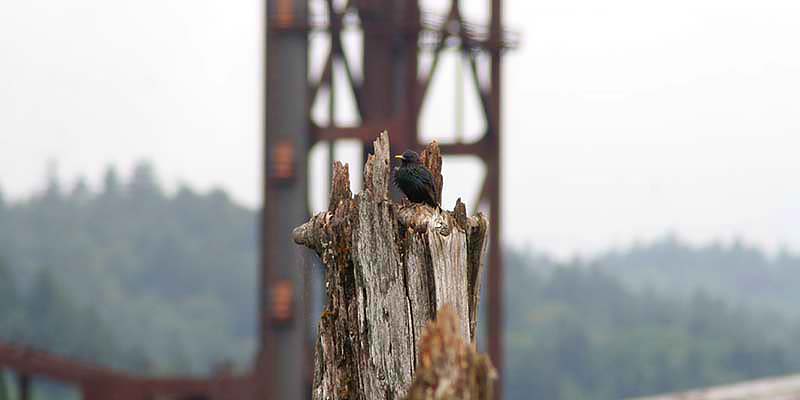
324 79
362 132
187 386
483 95
378 88
476 205
217 387
494 177
481 148
28 361
337 51
443 34
409 107
355 86
279 368
96 382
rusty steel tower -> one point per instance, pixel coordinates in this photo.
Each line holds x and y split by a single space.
389 88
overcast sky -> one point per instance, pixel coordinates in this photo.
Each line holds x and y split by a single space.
623 119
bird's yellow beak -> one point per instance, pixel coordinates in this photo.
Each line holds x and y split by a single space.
399 157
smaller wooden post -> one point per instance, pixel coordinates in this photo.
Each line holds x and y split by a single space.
449 367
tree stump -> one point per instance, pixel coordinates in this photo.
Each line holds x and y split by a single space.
389 268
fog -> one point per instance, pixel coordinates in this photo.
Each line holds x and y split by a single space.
623 120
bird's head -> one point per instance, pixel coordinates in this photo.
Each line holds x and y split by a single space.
408 157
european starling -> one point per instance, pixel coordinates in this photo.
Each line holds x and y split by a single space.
414 180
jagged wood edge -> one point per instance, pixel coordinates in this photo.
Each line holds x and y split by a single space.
449 367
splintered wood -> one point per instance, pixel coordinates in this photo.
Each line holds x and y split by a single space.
388 269
449 367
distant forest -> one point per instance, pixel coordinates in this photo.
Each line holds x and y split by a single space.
132 277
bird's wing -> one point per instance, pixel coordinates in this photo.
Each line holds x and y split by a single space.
426 178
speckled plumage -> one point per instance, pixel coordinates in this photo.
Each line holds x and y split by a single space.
415 180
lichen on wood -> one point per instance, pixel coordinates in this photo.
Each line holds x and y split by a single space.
389 267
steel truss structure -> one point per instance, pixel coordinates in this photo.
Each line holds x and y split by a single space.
389 93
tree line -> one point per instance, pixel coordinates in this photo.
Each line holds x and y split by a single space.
131 276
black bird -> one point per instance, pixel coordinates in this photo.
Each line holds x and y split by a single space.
414 180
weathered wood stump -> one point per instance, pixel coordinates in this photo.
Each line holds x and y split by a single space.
389 268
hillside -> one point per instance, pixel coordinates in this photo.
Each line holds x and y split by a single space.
167 283
741 274
173 275
577 332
